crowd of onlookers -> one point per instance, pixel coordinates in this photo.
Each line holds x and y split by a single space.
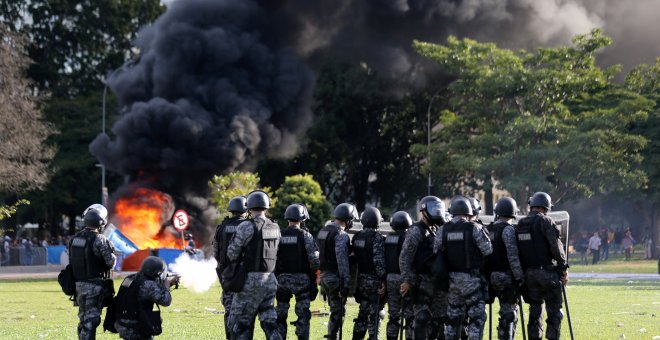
601 243
26 246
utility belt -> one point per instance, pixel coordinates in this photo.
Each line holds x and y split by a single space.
550 267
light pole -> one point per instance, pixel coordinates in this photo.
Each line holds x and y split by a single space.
428 138
104 190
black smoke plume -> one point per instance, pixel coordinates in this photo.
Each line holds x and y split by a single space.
220 83
212 91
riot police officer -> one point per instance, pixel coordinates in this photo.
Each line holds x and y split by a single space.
256 240
396 303
503 268
297 257
223 234
138 293
543 259
369 248
429 302
465 243
334 248
91 256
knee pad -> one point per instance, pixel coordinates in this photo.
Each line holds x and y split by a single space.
95 321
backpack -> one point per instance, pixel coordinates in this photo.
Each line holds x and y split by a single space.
67 281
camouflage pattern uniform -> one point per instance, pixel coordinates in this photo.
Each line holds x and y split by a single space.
150 291
429 302
505 284
394 308
222 237
368 318
297 284
258 294
466 289
333 281
90 293
543 259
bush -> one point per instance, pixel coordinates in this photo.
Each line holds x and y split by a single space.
303 189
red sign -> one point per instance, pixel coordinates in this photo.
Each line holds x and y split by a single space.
180 219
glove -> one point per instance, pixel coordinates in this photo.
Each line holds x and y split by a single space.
520 283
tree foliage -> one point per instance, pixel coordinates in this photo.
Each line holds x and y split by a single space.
24 157
358 144
9 210
549 120
226 187
303 189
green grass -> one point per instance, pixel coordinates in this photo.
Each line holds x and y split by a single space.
616 264
599 310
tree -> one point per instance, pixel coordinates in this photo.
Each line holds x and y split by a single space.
303 189
358 144
9 210
537 121
645 80
75 44
226 187
24 157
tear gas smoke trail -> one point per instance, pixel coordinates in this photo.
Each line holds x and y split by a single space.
196 275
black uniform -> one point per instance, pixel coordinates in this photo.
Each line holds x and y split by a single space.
543 259
223 234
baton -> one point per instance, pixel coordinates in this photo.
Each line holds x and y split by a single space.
522 318
568 313
401 318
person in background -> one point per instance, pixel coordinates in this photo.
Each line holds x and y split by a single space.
618 237
627 244
605 244
581 246
594 247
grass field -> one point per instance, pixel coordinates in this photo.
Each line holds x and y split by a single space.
616 264
599 310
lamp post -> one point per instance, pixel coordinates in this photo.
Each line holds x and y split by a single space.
104 189
428 138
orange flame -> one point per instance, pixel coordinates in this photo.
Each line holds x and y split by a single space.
140 217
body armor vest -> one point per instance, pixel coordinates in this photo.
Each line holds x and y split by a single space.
261 255
424 249
498 260
458 242
224 233
325 241
363 246
128 305
292 255
532 246
393 246
85 264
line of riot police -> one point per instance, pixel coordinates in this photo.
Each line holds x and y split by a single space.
436 275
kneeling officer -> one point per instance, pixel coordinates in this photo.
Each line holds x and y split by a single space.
136 298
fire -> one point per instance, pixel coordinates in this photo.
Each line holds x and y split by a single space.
140 217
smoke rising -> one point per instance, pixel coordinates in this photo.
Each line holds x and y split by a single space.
221 84
212 91
196 275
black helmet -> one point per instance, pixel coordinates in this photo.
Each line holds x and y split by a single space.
345 212
93 219
153 267
434 208
100 209
475 203
461 205
400 220
258 199
237 204
540 199
296 212
371 218
506 207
